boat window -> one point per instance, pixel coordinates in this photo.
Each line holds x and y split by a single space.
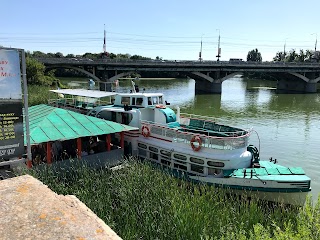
139 101
214 171
155 100
125 100
149 101
180 166
153 156
133 101
179 156
184 163
165 162
141 145
166 153
160 100
215 164
153 149
196 160
142 152
196 168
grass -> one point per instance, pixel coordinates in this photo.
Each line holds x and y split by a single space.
143 202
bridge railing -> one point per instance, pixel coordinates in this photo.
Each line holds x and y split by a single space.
88 61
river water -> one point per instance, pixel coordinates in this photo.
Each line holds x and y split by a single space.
287 125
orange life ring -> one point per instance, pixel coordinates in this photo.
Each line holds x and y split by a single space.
197 147
161 106
145 131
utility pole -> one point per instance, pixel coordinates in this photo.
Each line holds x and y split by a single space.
104 40
219 49
284 49
200 53
315 45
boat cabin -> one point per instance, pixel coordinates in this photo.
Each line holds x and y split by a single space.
132 108
139 99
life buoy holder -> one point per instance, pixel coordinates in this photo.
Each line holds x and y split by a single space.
160 106
145 131
196 147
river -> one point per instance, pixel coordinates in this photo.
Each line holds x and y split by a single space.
287 124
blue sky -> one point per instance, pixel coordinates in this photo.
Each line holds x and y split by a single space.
171 29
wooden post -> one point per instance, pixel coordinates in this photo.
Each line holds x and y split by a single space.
79 147
122 140
29 163
108 141
49 155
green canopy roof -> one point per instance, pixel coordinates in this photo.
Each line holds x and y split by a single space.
50 124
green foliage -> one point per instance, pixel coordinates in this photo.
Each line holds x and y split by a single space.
112 55
293 56
58 55
38 94
70 55
254 56
144 202
138 57
36 73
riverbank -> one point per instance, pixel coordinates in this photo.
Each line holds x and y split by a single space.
143 202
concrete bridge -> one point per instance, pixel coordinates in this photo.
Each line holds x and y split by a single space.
209 75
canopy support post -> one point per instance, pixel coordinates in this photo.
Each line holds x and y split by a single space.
108 141
122 140
49 159
79 147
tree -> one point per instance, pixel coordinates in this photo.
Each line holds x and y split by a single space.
292 56
300 57
279 57
309 55
70 55
138 57
38 54
36 73
58 55
254 56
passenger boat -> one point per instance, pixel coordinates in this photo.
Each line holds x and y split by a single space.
199 147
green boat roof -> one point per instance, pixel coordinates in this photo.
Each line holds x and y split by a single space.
49 123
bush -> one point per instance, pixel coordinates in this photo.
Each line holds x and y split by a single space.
36 73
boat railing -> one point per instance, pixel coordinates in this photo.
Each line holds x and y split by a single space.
201 123
186 116
177 134
76 103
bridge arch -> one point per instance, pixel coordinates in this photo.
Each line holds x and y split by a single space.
230 76
199 75
120 75
77 69
316 80
298 75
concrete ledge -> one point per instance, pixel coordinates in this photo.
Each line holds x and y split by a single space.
30 210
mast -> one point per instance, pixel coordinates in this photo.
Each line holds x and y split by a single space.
104 40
